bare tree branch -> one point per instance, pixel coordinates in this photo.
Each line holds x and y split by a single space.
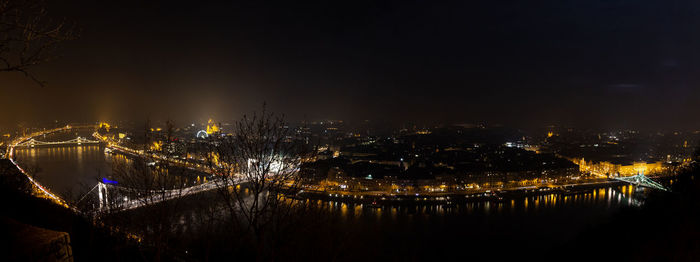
259 168
28 37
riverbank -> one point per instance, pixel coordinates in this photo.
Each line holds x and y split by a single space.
383 199
88 242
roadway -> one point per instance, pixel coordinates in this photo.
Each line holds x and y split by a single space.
39 189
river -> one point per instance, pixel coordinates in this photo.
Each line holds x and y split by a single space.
65 170
525 224
72 170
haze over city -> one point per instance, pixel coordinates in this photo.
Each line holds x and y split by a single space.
586 64
349 130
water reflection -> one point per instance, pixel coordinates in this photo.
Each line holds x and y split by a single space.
74 168
607 198
65 170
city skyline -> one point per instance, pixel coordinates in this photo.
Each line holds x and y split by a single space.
350 130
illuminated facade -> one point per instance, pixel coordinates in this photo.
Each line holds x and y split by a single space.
212 127
605 168
104 125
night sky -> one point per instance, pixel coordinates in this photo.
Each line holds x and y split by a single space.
631 63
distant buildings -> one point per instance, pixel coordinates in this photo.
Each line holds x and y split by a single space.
617 168
448 158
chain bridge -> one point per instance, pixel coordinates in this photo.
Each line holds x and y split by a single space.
76 141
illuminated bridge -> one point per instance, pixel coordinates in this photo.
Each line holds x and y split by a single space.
111 197
641 180
77 141
29 141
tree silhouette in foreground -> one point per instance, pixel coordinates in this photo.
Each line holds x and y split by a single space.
257 166
28 36
147 181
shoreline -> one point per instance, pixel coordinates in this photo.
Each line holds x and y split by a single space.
455 198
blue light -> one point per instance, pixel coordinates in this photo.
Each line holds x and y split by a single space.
107 181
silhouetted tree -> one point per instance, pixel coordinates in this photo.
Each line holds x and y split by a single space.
258 165
28 36
156 184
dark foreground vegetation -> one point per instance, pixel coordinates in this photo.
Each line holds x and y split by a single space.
664 229
88 242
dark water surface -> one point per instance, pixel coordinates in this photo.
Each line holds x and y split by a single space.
526 227
531 222
66 169
69 169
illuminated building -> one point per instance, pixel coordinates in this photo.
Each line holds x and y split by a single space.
104 125
157 146
605 168
212 127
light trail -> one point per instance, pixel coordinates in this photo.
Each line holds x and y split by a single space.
44 191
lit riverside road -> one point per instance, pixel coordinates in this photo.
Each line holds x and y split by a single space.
41 189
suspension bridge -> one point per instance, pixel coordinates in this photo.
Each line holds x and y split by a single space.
76 141
26 141
641 180
111 197
115 198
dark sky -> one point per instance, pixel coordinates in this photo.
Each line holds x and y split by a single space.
585 63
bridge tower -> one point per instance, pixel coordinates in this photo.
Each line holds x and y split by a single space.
103 195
